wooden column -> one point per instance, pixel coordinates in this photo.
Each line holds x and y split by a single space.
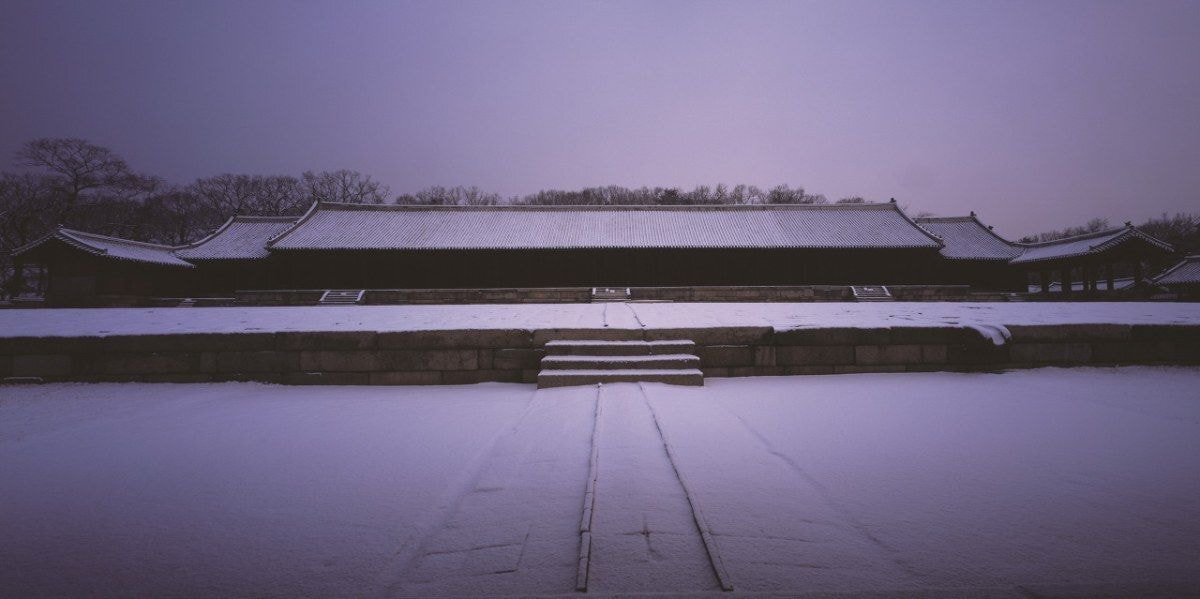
1066 280
1108 272
1137 272
1045 275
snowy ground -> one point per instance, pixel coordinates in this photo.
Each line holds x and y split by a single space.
128 321
1029 483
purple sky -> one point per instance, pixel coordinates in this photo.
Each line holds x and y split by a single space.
1036 115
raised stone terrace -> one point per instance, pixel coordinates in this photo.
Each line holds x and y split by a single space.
399 345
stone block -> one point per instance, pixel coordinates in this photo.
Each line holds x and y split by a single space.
426 377
726 355
1070 332
933 354
486 357
833 336
327 340
339 361
809 355
541 336
470 377
977 354
931 335
1188 333
454 339
715 335
764 355
517 359
868 368
326 378
190 342
869 355
141 363
427 359
49 345
258 361
1050 353
45 365
806 370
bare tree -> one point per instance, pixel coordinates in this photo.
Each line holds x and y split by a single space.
344 186
225 195
852 200
80 167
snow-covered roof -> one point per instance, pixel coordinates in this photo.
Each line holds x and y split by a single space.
1187 272
1082 245
111 247
390 227
240 238
966 238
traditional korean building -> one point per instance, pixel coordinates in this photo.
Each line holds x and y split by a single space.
359 246
973 254
1183 278
235 256
356 246
1092 259
88 269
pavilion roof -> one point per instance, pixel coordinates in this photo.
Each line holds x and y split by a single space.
110 247
1084 245
240 238
391 227
966 238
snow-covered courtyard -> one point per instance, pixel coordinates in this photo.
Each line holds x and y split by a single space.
1029 483
622 315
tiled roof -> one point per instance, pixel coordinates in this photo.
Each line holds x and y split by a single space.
240 238
376 227
1082 245
112 247
1187 272
968 239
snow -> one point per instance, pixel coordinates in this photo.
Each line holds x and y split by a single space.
1025 483
990 318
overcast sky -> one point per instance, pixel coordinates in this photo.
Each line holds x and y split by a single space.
1036 115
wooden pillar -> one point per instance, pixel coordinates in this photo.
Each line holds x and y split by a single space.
1045 275
1108 271
1066 280
1137 272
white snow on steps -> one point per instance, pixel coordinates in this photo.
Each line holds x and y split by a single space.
675 376
619 348
654 361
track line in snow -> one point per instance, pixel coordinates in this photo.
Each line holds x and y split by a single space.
710 544
589 500
826 497
424 532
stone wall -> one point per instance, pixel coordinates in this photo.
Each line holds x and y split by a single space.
551 295
470 356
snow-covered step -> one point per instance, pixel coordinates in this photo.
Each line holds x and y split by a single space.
565 378
619 348
610 294
649 361
871 293
340 297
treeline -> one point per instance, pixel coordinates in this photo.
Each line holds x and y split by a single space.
615 195
1181 231
77 184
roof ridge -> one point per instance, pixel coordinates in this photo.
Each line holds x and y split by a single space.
1074 238
160 246
602 207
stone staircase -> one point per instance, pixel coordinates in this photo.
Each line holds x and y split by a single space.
589 362
341 297
871 293
610 294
